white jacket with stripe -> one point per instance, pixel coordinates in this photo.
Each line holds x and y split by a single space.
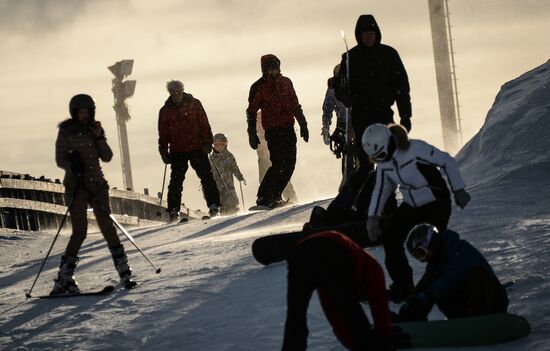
416 172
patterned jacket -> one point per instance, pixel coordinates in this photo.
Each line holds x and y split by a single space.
224 167
330 104
183 127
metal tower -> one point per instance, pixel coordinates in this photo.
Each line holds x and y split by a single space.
445 74
122 91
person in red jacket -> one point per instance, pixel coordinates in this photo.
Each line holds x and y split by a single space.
274 95
185 137
343 275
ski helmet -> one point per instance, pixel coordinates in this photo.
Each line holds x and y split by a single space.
419 239
81 101
378 142
220 137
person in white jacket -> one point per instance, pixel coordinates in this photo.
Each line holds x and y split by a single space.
417 168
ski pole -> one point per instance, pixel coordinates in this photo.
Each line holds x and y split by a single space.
242 196
347 148
28 295
125 232
163 183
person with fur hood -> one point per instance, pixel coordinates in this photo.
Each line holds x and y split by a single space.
377 80
79 147
417 168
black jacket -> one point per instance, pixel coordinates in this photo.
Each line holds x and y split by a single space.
377 79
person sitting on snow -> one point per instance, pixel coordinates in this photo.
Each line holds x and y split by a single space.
224 167
458 279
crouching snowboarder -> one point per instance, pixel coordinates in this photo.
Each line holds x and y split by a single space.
458 279
343 275
79 146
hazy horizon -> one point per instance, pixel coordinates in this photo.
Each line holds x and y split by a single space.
53 49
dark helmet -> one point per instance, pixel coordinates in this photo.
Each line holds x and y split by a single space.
220 137
420 238
82 101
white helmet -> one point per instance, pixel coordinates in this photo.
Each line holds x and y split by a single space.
376 142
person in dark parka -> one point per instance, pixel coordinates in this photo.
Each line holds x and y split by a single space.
377 80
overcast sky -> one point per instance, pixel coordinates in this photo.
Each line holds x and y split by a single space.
51 50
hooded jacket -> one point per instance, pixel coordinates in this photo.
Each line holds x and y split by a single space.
377 79
183 127
276 97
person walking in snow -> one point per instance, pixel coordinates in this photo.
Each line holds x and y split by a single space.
377 79
416 167
458 279
264 162
185 137
274 95
343 275
80 144
224 168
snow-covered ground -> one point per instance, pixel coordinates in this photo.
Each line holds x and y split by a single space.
212 295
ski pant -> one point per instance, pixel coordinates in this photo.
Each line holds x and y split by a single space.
480 294
179 166
436 213
322 264
281 143
96 194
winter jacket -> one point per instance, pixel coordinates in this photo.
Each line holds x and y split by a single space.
371 287
416 172
75 136
447 270
377 79
224 167
276 97
331 104
183 127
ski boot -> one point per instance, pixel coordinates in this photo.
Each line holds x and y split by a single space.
121 264
65 283
213 211
174 216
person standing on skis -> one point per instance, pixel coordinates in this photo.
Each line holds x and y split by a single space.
185 137
416 167
377 80
80 144
458 279
224 168
274 95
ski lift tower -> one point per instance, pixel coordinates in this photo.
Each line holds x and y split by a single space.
122 91
445 74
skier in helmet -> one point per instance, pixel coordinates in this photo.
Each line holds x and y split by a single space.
458 279
224 168
80 144
416 167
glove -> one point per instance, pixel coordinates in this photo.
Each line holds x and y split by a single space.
326 135
416 308
207 148
373 228
338 142
406 122
77 165
462 198
304 132
253 140
165 155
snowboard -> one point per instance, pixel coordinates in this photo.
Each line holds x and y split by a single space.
276 247
471 331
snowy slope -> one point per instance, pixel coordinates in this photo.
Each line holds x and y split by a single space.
212 295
